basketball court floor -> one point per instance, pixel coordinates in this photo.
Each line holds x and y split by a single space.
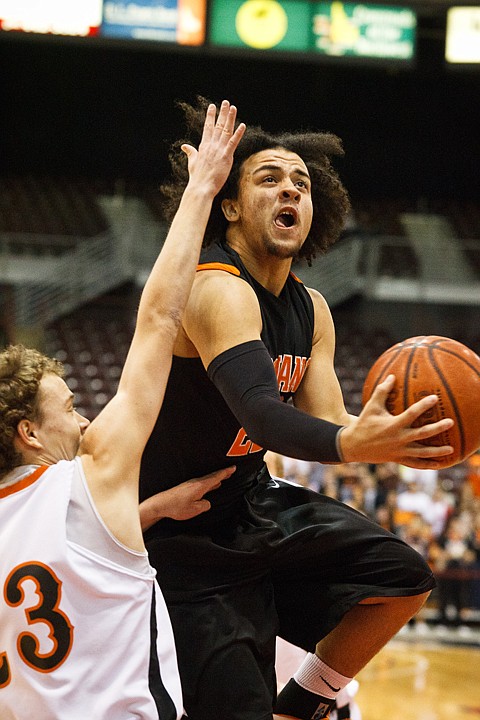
422 679
424 673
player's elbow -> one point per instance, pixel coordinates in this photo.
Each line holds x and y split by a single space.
257 421
164 321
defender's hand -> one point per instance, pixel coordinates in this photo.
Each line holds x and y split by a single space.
210 165
184 501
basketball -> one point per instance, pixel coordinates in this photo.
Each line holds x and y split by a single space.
434 365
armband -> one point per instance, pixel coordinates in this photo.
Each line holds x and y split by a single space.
246 378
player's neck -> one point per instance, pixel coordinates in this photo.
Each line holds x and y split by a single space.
270 271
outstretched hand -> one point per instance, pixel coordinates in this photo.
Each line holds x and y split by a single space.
378 436
184 501
210 165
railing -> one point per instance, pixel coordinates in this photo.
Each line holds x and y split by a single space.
400 284
335 274
48 285
44 288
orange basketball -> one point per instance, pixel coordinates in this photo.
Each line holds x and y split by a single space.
434 365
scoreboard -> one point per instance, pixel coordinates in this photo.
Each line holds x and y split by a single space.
177 21
339 29
385 31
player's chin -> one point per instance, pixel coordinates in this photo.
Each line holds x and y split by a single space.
285 247
71 453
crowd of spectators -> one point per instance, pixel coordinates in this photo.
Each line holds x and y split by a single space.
439 517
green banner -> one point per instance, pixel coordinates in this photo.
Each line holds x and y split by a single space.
352 29
261 24
328 28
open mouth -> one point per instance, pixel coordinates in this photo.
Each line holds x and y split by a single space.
285 220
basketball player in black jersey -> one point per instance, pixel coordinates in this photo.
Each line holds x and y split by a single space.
253 369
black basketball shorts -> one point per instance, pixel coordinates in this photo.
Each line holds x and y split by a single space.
291 563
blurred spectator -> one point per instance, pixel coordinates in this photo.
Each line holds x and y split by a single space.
441 507
453 555
370 494
387 477
472 465
418 534
476 566
348 478
317 476
414 500
297 471
384 517
426 479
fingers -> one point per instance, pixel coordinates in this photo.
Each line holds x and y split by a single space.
209 123
383 388
408 417
225 472
421 463
188 149
414 411
421 406
416 436
210 164
224 128
427 451
428 431
214 480
226 118
378 399
228 127
237 135
202 506
204 485
212 129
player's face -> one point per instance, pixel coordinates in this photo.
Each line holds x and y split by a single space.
274 206
59 427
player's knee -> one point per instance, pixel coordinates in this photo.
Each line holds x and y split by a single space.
408 603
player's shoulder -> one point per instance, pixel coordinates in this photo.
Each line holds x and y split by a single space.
217 288
219 265
219 256
219 272
323 321
319 302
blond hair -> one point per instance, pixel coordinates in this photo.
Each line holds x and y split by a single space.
21 371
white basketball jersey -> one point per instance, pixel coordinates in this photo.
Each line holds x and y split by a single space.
82 636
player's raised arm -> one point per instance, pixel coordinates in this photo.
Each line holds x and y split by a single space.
115 440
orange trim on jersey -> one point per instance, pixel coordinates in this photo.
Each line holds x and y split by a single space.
22 484
219 266
292 274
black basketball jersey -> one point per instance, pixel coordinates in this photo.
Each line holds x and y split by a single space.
196 433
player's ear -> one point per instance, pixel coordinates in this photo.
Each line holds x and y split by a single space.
27 433
230 210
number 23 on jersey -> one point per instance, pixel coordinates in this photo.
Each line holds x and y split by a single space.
43 618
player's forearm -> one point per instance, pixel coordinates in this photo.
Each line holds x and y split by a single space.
151 511
246 378
167 289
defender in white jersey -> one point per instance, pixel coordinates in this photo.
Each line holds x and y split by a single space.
84 632
72 593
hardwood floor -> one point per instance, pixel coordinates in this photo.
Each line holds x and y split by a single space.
434 677
424 680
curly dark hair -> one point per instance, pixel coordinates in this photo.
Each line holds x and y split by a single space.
21 370
329 197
